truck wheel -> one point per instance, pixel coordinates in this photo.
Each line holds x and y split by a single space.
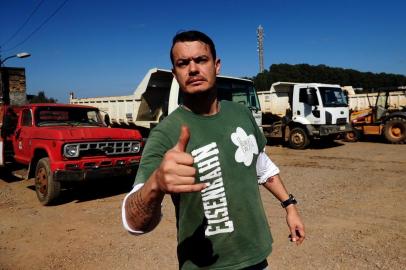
352 136
298 138
46 188
395 130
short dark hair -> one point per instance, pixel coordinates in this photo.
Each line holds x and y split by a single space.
193 35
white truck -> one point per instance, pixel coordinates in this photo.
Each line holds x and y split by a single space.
358 102
158 95
300 112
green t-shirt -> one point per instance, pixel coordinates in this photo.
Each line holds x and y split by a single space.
224 226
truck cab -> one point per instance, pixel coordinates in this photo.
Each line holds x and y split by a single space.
300 112
321 108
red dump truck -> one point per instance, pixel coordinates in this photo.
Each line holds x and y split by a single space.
59 143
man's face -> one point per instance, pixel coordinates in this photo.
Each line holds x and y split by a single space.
194 66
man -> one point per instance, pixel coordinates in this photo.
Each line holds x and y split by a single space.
207 156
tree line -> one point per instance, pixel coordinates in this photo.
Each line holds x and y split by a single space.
40 98
305 73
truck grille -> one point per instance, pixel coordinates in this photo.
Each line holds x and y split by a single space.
109 148
72 150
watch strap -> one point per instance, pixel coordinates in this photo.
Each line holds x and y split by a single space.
291 200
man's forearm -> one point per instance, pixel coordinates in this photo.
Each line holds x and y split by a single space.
275 185
297 232
143 208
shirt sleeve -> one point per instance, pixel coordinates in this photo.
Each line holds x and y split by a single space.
265 168
123 216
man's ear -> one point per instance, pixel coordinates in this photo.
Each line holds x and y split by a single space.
217 65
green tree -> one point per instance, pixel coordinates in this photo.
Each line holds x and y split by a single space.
305 73
41 98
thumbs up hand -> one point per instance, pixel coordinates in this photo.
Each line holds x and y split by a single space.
176 173
183 140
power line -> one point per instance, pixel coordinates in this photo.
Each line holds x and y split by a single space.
40 26
24 24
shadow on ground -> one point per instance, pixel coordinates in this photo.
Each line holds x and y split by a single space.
315 144
7 176
92 190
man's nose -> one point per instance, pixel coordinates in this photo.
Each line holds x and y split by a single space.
193 69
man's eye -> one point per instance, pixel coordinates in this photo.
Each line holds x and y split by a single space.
182 63
200 60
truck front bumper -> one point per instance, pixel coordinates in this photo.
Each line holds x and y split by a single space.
95 172
326 130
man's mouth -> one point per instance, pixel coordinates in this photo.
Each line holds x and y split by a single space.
195 80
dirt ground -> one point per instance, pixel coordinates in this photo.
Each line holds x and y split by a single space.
351 197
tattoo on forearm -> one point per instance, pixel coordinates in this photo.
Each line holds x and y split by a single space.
270 179
142 213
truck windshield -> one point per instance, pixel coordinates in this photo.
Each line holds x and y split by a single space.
242 92
67 116
333 97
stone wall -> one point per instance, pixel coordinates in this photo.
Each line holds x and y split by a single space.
13 86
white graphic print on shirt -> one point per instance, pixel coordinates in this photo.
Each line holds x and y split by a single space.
247 146
213 197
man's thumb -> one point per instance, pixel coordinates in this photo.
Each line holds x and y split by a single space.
293 236
183 139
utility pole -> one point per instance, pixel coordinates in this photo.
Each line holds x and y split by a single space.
260 47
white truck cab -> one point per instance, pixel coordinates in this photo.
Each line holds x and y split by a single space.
299 112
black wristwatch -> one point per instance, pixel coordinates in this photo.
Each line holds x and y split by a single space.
289 201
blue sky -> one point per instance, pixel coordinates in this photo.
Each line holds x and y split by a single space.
104 48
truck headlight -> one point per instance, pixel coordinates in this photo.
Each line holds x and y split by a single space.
135 147
71 150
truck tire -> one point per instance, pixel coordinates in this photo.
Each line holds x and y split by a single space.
298 138
46 188
395 130
352 136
